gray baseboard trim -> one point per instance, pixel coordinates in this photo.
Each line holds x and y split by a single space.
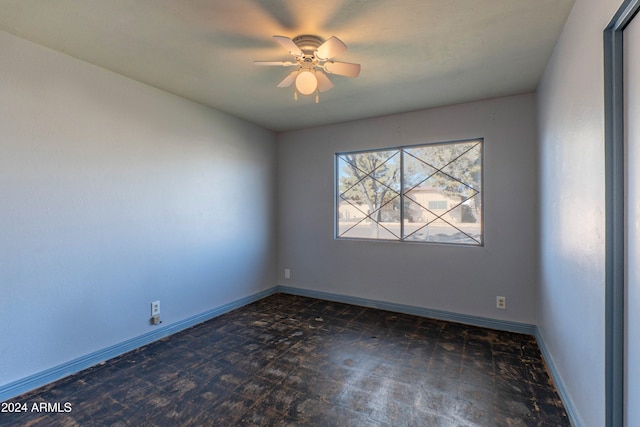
40 379
502 325
569 406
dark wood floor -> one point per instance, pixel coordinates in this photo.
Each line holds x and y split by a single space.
290 360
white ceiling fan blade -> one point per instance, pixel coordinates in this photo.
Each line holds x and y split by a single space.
342 68
288 81
332 47
324 84
280 63
288 44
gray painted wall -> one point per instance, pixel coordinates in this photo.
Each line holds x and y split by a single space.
452 278
572 271
115 194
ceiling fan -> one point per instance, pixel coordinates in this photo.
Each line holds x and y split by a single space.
312 57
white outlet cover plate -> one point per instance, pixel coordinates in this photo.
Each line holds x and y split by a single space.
155 308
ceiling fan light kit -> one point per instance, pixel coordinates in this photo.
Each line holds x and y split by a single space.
306 82
312 55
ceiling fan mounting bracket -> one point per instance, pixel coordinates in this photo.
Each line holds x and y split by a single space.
308 43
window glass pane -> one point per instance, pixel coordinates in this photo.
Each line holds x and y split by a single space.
368 229
369 195
442 232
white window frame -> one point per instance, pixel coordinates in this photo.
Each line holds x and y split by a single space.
401 203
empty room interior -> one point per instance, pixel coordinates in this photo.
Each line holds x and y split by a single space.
290 212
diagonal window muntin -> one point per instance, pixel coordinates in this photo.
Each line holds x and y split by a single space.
440 170
441 218
368 174
369 216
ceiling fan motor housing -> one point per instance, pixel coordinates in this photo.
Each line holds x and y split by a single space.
308 43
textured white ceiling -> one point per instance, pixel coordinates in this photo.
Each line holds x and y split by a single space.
414 53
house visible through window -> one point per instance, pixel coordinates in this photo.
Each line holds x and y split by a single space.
420 193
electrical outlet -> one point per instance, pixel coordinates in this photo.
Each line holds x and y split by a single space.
287 273
501 303
155 308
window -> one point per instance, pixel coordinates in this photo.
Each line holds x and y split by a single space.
421 193
437 204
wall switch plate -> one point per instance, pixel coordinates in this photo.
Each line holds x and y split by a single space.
501 303
155 308
287 273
